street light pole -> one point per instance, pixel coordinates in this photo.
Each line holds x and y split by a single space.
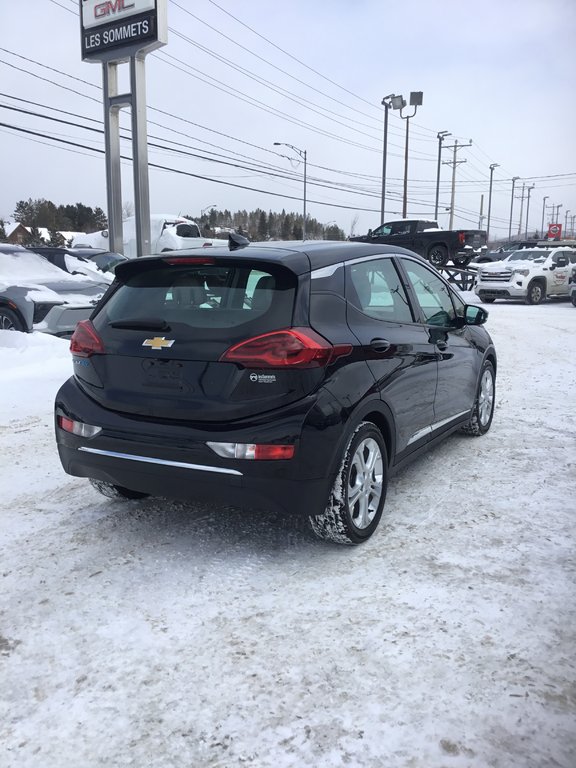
415 101
386 103
566 223
492 166
543 213
302 153
441 135
514 180
528 209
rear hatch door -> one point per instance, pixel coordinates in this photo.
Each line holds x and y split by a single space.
167 325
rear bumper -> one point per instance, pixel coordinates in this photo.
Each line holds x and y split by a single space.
173 460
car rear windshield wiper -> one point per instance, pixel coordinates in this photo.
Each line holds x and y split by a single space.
144 323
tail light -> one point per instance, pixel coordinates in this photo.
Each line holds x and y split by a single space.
85 341
78 427
255 451
461 238
291 348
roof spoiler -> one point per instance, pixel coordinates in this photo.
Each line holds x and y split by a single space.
236 241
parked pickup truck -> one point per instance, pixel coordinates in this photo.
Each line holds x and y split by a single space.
532 274
168 232
437 245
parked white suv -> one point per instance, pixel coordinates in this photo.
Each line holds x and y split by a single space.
530 274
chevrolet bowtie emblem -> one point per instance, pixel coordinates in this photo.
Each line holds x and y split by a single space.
158 342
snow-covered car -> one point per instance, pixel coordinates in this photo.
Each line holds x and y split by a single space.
74 262
37 296
531 274
168 232
91 262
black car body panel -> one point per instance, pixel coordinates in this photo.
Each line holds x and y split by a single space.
399 355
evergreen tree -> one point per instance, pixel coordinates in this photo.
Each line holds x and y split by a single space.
3 235
262 226
56 239
35 238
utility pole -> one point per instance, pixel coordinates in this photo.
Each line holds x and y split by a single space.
514 180
543 212
481 217
566 223
528 208
492 166
521 209
441 135
454 162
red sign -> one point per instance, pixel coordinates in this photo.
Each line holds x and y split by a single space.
554 231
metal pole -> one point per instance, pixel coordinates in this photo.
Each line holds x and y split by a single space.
543 213
521 209
440 136
528 209
304 223
140 156
514 180
566 222
405 203
112 147
384 158
492 166
453 196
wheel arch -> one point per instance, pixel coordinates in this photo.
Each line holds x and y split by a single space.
15 309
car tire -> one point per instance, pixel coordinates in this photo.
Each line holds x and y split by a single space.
573 298
438 256
536 293
116 491
483 411
357 498
9 320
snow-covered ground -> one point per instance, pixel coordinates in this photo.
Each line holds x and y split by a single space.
155 633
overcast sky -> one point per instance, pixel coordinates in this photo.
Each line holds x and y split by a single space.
313 74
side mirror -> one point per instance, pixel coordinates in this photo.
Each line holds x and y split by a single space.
370 233
561 261
474 315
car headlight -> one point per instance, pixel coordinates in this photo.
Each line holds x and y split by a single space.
523 272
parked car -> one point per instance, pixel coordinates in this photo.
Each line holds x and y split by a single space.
36 295
92 263
437 245
533 275
500 253
168 232
573 287
295 377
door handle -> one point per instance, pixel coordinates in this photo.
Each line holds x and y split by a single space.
442 345
380 345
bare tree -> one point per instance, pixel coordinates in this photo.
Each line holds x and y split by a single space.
127 210
353 225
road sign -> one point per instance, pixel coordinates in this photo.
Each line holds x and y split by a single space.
554 231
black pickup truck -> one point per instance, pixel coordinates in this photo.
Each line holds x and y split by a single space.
438 246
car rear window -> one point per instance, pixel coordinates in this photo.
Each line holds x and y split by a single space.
207 297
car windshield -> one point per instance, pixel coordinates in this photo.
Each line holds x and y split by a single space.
527 255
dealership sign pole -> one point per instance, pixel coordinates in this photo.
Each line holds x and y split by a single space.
115 32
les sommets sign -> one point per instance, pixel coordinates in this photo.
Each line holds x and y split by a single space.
114 29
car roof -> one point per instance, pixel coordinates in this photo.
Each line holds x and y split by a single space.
298 256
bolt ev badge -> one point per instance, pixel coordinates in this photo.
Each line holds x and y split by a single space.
158 342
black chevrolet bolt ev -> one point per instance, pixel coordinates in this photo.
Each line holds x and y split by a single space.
291 376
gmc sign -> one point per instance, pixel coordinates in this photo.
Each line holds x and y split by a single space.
114 30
